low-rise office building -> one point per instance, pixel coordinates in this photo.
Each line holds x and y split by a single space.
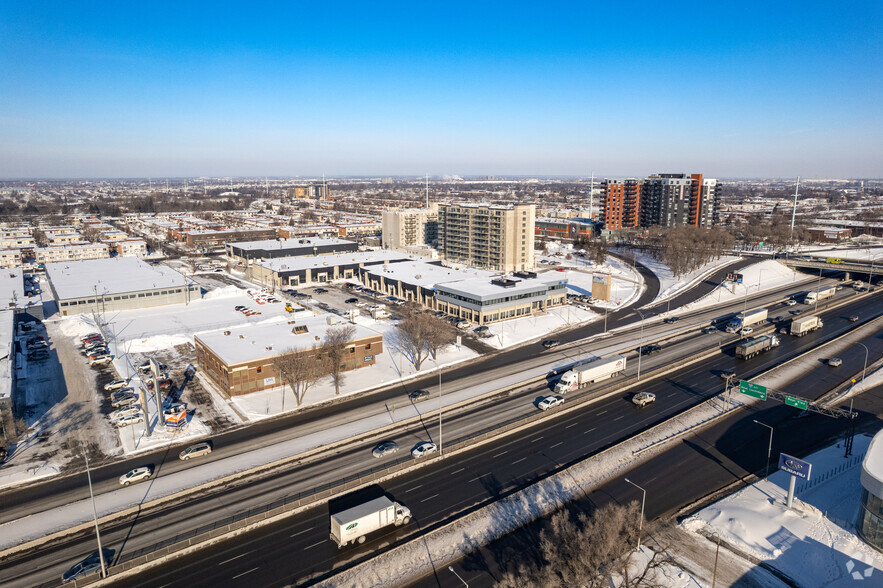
240 360
119 283
250 251
298 271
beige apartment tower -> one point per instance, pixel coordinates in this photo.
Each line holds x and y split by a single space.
487 236
409 227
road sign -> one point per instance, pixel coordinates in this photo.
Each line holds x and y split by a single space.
794 466
796 402
755 390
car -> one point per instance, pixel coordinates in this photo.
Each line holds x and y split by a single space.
197 450
549 344
115 385
123 400
671 319
89 336
790 303
423 449
96 351
418 395
648 349
100 360
145 367
239 308
796 312
560 269
550 402
129 419
90 342
835 362
137 475
88 566
746 331
784 331
125 411
727 374
643 398
320 290
707 330
853 318
361 304
385 448
351 300
163 384
38 355
462 325
37 344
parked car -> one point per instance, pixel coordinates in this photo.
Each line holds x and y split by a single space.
197 450
123 400
835 362
115 385
320 290
165 384
550 402
145 367
129 419
137 475
643 398
89 336
423 449
240 308
482 329
418 395
351 300
385 448
549 344
462 325
38 355
100 360
125 411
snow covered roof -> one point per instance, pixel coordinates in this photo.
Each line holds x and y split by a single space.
427 275
267 340
270 244
116 275
872 466
302 262
7 355
12 287
485 288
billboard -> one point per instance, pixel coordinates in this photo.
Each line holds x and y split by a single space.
601 286
733 277
794 466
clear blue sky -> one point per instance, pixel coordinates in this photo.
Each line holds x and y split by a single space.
122 89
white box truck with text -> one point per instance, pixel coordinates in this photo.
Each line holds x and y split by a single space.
352 524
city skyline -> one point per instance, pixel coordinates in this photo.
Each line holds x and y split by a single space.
751 91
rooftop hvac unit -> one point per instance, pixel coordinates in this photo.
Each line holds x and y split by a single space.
242 336
227 333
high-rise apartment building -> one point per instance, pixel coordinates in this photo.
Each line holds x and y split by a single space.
486 236
410 227
622 200
665 200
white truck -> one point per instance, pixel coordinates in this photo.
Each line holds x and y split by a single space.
589 372
353 524
819 295
746 319
752 347
805 324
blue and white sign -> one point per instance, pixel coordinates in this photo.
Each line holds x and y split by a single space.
794 466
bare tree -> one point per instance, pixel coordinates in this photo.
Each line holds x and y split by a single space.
300 369
334 350
422 335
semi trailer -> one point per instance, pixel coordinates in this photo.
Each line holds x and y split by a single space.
591 371
756 345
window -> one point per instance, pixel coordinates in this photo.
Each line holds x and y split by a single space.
367 346
260 368
141 295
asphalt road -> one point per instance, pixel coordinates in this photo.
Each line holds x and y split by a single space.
263 557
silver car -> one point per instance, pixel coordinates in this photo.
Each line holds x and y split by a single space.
197 450
136 475
130 419
385 448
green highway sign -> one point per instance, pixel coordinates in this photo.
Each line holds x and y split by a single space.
755 390
796 402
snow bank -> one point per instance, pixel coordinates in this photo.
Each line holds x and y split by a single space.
225 292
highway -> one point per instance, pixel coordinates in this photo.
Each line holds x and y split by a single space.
435 492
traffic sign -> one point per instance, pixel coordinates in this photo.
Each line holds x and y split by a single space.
796 402
754 390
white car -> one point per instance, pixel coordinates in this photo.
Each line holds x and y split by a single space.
835 362
100 360
550 402
136 475
791 303
644 398
125 411
129 420
422 449
746 331
197 450
115 385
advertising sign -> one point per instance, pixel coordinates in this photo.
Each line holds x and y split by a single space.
794 466
733 277
269 381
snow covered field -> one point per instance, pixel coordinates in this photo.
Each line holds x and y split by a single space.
759 277
669 285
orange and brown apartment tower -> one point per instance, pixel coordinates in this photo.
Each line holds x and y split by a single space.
622 203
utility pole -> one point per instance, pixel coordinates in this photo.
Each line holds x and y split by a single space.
94 512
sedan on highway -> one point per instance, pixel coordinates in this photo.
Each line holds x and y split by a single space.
550 402
422 449
136 475
853 318
385 448
835 362
418 395
644 398
551 343
197 450
88 566
790 303
671 319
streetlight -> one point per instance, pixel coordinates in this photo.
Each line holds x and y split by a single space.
640 344
94 512
440 444
458 576
641 520
866 360
769 451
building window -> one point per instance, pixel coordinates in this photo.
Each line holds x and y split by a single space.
260 368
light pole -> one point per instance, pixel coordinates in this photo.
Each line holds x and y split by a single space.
818 290
458 576
769 451
866 360
440 444
640 343
94 512
641 520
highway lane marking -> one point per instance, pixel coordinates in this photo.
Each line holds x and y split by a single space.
619 417
589 431
535 440
519 461
414 488
301 532
311 546
504 453
600 413
430 498
556 445
232 558
243 573
457 471
478 478
571 425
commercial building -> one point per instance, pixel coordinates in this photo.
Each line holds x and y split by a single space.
215 238
283 272
870 518
119 283
240 360
250 251
485 236
409 227
829 235
565 228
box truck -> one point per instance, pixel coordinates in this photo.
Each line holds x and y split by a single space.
805 324
353 524
819 295
592 371
746 319
752 347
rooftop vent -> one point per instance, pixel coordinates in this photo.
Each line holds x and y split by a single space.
300 329
525 274
242 336
227 333
503 282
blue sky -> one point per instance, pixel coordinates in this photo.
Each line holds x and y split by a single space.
729 89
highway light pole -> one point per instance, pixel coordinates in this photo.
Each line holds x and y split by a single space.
640 343
94 512
440 443
458 576
641 520
866 360
769 451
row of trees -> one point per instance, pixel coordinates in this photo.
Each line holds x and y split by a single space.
686 248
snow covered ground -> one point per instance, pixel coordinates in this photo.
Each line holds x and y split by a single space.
813 544
669 285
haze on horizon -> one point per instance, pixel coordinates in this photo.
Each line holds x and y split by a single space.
165 90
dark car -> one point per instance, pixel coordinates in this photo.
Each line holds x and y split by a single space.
89 565
551 343
648 349
418 395
351 300
671 319
707 330
320 290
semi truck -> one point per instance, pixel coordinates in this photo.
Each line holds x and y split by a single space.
746 319
756 345
819 295
353 524
591 371
805 324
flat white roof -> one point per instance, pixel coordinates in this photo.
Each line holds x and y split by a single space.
427 275
303 262
7 353
872 466
251 342
269 244
12 286
483 288
115 275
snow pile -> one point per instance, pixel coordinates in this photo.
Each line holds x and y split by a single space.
225 292
77 326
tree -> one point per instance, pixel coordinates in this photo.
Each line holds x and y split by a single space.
421 335
333 351
300 369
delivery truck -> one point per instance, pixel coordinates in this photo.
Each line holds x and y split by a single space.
805 324
746 319
756 345
591 371
353 524
819 295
